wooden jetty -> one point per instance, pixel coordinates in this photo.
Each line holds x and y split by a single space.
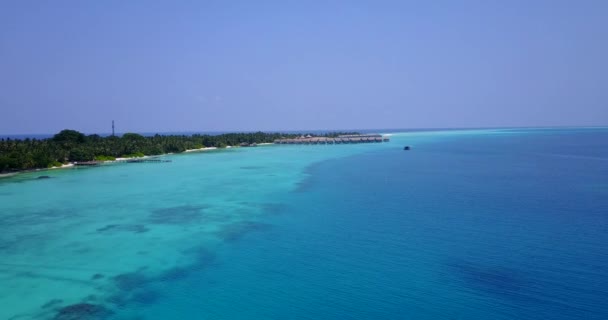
342 139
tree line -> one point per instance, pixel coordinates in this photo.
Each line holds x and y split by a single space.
70 146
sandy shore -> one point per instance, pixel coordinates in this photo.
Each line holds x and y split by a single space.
201 149
11 174
69 165
6 175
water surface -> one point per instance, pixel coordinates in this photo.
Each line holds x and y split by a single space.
501 224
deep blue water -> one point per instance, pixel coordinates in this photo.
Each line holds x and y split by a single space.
503 224
483 227
476 227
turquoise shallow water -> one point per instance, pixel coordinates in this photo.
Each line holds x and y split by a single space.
482 224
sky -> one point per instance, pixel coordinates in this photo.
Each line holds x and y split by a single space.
166 66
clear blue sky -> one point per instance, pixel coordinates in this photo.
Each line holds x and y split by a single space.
274 65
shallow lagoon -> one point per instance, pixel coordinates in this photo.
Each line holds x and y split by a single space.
468 224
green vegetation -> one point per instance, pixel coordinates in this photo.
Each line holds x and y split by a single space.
134 155
104 158
71 145
54 164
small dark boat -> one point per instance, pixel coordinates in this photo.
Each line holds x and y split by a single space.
406 148
43 177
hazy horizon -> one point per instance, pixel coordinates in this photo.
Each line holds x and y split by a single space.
363 130
275 66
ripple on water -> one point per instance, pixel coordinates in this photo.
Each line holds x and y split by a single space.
498 281
53 303
251 167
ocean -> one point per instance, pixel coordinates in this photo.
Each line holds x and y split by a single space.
468 224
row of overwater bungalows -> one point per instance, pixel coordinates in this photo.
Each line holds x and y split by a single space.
359 138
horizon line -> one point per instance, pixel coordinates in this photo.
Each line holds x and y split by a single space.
317 130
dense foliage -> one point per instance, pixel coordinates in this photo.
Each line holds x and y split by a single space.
70 145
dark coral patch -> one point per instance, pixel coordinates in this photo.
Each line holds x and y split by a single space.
236 231
83 311
97 276
131 281
107 227
138 287
202 259
134 228
177 215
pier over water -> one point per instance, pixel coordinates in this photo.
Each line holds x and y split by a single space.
342 139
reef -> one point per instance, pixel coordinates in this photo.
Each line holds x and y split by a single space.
134 228
83 311
177 215
236 231
97 276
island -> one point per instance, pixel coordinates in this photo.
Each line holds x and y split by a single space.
70 146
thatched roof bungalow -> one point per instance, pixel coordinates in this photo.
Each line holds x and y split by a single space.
342 139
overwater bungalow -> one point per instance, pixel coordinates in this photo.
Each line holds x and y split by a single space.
342 139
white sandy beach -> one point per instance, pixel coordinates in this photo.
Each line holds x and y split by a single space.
201 149
68 165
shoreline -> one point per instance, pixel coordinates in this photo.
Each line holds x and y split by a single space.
200 149
12 174
122 159
117 160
